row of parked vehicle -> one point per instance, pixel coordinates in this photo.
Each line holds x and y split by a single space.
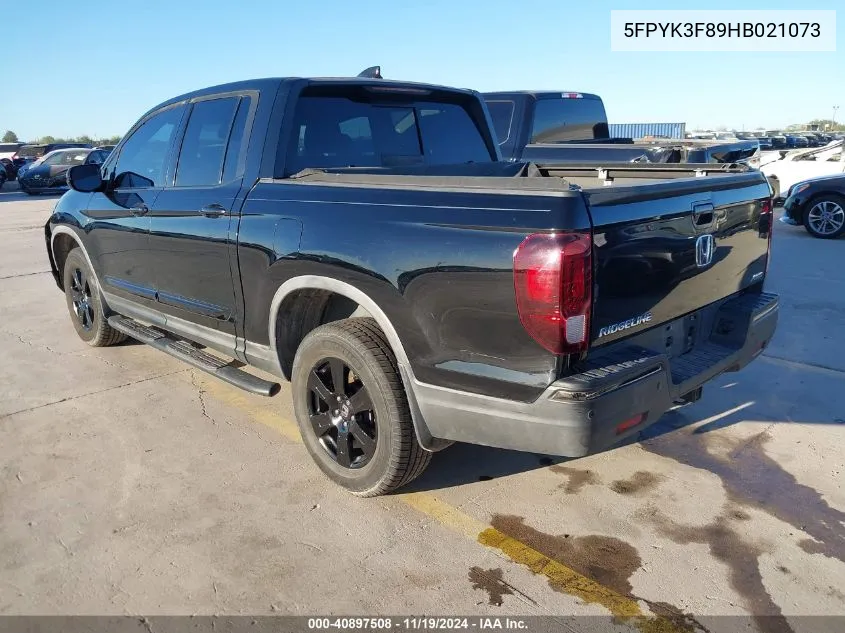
41 168
774 139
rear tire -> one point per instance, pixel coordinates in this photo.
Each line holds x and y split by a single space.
352 409
825 216
84 303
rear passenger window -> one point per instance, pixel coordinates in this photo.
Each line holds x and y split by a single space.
236 153
204 145
501 114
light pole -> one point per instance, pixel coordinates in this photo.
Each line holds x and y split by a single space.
833 120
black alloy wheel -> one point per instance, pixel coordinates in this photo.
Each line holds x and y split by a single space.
80 292
352 409
341 413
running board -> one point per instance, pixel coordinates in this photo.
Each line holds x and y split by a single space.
185 351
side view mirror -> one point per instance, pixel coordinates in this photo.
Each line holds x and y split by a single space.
85 178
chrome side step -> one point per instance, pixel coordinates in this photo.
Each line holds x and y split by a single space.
187 352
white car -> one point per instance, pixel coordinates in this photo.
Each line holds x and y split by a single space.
804 164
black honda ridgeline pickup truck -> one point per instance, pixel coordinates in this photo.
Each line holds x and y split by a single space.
363 239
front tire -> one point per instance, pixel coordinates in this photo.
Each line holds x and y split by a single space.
84 303
825 216
352 409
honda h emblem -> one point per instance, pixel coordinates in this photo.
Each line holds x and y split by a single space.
704 247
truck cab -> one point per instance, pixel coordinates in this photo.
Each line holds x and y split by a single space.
522 118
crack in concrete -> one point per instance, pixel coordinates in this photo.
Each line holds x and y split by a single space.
40 272
30 343
201 395
99 358
91 393
84 353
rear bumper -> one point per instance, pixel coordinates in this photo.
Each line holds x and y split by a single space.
581 414
793 208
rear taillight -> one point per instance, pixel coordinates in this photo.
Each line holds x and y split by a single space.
553 281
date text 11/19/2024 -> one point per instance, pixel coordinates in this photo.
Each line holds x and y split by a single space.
417 623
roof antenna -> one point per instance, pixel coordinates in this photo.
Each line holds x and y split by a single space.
373 72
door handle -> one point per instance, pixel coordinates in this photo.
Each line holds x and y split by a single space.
213 210
702 214
139 209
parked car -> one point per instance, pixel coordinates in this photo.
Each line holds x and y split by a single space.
765 143
7 150
8 171
48 174
818 204
7 154
794 166
30 153
812 139
530 307
796 141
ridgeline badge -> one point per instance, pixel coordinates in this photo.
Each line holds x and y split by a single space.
624 325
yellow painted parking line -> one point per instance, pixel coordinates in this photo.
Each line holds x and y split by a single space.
560 577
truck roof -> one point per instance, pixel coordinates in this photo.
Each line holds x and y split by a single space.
270 83
538 94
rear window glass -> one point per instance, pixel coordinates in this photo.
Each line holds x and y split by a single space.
65 158
31 151
340 132
501 113
560 120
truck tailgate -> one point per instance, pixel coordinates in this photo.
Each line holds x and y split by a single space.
665 249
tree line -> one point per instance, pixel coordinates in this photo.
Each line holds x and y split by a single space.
11 137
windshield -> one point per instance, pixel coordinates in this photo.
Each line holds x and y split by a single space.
65 158
561 120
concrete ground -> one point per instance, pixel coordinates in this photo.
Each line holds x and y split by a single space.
132 484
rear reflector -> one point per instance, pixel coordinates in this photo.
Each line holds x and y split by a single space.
553 283
631 423
766 226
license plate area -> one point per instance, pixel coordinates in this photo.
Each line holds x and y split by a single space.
679 336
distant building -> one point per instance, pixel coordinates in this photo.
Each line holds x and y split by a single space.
644 130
